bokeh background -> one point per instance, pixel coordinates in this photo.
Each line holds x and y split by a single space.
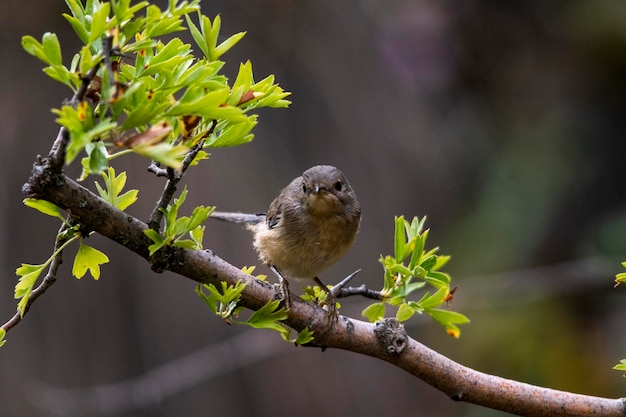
503 122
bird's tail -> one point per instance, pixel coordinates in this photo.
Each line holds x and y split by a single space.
239 217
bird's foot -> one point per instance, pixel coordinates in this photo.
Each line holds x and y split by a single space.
330 303
285 295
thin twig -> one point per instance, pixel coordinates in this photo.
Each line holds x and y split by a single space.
46 283
107 50
57 151
173 178
339 290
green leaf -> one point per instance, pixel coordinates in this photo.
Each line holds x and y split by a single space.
305 336
374 312
44 207
82 126
78 26
158 240
619 367
61 74
267 316
413 286
197 236
114 185
405 312
224 302
99 21
438 279
3 333
621 277
435 300
211 302
449 320
233 135
96 161
33 47
89 61
164 153
398 242
28 277
88 259
52 49
223 47
197 36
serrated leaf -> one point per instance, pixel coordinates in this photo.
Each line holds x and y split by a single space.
28 276
244 78
127 199
211 302
114 185
88 259
267 316
158 240
305 336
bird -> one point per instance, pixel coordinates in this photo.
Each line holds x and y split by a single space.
309 226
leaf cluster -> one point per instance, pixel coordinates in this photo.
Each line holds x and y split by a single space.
223 303
176 228
87 258
411 268
147 94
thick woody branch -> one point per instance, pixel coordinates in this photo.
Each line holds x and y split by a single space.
385 340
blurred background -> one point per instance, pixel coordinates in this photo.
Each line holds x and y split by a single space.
503 122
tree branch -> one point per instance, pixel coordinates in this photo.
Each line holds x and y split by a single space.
46 282
385 340
57 152
172 179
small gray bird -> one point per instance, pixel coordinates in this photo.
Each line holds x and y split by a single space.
308 227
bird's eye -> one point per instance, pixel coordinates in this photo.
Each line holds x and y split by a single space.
338 186
304 187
